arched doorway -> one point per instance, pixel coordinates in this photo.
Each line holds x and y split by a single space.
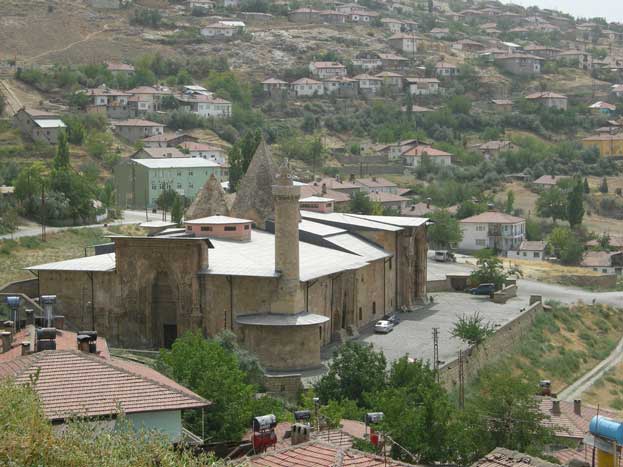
164 311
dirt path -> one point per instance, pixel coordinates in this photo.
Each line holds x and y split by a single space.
88 37
13 102
575 390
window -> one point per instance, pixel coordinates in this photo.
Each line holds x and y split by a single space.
537 254
230 228
360 313
374 308
320 329
604 270
246 227
390 264
525 253
179 185
190 173
188 227
480 228
206 228
480 242
179 173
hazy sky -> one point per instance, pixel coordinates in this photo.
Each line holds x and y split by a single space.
612 10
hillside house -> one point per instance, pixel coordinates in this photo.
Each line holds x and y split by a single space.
306 87
221 29
304 15
491 229
608 144
529 250
416 109
468 46
275 87
414 156
342 86
317 204
393 61
205 106
440 33
502 105
423 86
139 182
367 61
167 140
520 64
543 51
391 80
103 96
551 100
617 90
547 181
492 149
389 200
583 60
324 70
393 151
603 108
145 99
39 125
446 70
108 4
205 5
403 42
394 25
605 262
368 85
120 69
348 8
376 184
204 151
333 17
158 153
362 16
339 185
233 4
135 129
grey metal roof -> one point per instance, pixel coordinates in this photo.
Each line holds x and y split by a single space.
274 319
257 258
319 229
397 221
97 263
176 163
339 219
358 246
50 123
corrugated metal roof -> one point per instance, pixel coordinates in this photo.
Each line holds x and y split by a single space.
256 258
97 263
336 218
397 221
274 319
321 230
180 163
358 246
50 123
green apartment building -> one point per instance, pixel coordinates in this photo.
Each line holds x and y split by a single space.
139 182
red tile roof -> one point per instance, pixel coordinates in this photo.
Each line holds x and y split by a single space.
568 424
501 457
74 383
319 454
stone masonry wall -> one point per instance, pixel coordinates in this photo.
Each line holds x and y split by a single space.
496 346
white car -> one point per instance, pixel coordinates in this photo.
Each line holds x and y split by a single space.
383 326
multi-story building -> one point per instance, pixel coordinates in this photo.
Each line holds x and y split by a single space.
324 70
39 125
495 230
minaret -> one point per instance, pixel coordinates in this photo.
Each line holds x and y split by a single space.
286 200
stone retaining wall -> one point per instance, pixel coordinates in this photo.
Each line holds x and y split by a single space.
604 281
289 385
499 344
29 287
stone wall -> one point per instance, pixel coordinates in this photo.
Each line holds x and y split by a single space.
289 385
605 281
494 347
440 285
28 287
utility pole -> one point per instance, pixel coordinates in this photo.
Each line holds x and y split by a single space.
461 382
436 352
42 212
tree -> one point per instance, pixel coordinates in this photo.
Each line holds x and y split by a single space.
575 204
533 230
552 203
177 210
240 155
417 412
2 103
566 246
603 187
356 368
214 373
510 202
472 329
28 438
587 188
28 185
360 203
61 160
445 230
490 270
165 200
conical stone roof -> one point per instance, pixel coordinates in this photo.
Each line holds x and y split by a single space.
210 201
254 199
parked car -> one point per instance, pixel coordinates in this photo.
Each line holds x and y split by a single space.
483 289
444 256
392 318
383 326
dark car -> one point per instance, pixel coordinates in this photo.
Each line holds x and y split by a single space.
392 318
483 289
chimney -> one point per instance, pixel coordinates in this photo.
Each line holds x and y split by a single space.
286 200
46 339
5 338
300 433
25 348
87 341
83 343
428 202
491 206
351 178
324 189
577 407
555 407
374 179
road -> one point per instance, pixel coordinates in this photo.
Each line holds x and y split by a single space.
129 217
12 100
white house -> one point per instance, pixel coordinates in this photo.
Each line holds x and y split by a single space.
534 251
223 29
205 106
369 84
423 86
204 151
403 42
413 157
606 262
324 70
494 230
305 87
394 25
